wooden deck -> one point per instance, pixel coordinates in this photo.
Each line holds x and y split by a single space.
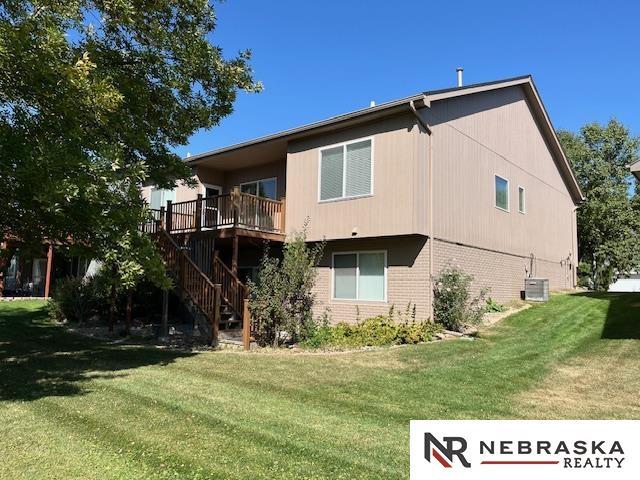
224 216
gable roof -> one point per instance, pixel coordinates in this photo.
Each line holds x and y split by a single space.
419 100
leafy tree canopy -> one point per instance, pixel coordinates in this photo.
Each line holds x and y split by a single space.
93 96
609 219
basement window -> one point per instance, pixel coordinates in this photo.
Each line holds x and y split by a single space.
360 276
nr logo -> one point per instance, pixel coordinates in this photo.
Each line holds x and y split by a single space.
444 453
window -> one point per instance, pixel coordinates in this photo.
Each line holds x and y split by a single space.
360 276
502 193
346 170
521 200
159 197
210 190
265 188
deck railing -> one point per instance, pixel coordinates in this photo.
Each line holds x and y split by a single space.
154 223
203 292
233 290
235 209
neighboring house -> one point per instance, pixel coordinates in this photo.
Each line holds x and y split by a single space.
628 283
635 169
29 274
474 175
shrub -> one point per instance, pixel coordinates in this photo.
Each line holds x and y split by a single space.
281 299
77 299
453 305
382 330
72 300
493 306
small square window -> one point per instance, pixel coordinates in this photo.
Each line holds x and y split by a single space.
502 193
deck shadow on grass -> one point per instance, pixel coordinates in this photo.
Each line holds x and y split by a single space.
623 315
38 359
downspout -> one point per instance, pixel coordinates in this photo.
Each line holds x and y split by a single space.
429 132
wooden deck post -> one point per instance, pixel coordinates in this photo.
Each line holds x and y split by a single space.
182 272
198 216
161 221
215 326
246 326
283 208
169 221
235 205
214 266
47 280
234 254
164 327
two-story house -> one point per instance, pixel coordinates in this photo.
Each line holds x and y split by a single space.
474 175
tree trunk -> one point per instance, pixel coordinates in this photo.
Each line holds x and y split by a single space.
5 258
127 319
112 307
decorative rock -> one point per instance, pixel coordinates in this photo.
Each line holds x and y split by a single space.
451 333
470 331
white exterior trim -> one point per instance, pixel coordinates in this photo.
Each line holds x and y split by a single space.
204 186
524 199
495 191
275 179
344 170
357 253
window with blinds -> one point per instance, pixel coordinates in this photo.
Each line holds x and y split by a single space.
360 276
346 170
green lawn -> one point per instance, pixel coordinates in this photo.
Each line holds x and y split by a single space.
71 407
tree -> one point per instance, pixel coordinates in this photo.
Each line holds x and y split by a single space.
607 223
281 299
93 96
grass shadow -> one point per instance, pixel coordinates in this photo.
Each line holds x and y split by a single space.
622 321
39 359
623 316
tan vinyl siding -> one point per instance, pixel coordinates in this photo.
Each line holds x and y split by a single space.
494 134
396 206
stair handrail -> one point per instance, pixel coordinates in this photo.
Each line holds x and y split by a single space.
231 282
207 297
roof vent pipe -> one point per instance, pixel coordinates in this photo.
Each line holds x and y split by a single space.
372 103
459 71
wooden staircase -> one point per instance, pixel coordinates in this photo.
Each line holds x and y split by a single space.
221 301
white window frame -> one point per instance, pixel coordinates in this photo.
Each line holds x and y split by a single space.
495 191
524 199
344 170
216 213
275 179
357 253
209 185
164 204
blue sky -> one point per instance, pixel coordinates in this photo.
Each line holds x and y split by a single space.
318 59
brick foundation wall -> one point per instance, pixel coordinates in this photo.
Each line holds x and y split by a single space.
407 278
408 274
503 273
